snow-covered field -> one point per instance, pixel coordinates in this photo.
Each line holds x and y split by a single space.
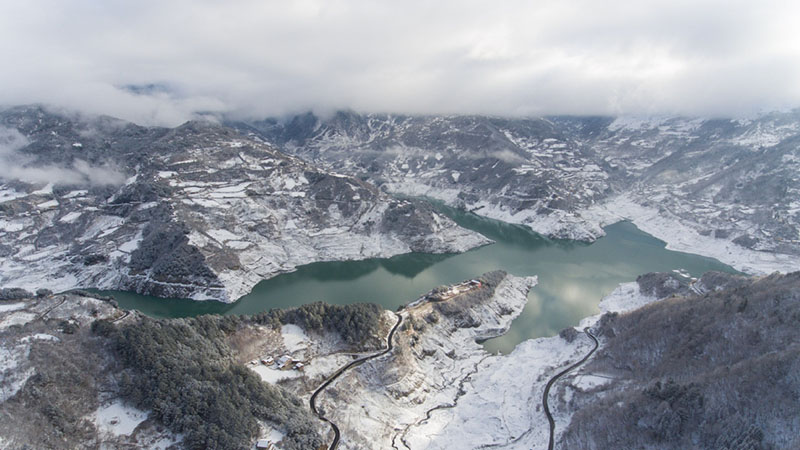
118 418
272 374
294 338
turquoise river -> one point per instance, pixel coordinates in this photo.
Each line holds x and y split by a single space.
573 277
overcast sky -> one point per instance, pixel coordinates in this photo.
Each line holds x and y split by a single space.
514 57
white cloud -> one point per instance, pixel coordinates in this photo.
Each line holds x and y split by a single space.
265 57
15 165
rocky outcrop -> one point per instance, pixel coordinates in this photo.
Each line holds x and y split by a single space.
198 211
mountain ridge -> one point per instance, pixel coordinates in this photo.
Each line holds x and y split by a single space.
197 211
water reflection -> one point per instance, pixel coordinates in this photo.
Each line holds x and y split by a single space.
330 271
412 264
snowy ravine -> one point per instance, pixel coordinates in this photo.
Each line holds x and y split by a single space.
197 211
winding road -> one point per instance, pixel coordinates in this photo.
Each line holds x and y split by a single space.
554 379
339 372
46 312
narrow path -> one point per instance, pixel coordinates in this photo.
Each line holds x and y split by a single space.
126 314
554 379
46 312
339 372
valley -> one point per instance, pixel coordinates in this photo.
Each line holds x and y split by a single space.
724 188
236 259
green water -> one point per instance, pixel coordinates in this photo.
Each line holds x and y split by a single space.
573 277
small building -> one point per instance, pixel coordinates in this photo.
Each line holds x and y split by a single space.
299 366
268 360
285 362
264 444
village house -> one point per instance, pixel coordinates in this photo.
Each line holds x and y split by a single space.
285 362
264 444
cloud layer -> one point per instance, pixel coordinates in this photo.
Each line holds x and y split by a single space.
160 62
15 165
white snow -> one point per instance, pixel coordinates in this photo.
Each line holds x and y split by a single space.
273 375
294 338
13 374
10 194
590 381
16 318
118 418
289 184
679 236
46 190
206 203
40 337
321 367
74 194
275 435
222 235
502 402
233 189
48 204
626 297
6 307
70 217
238 245
131 245
13 225
101 224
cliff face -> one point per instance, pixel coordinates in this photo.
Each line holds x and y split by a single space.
198 211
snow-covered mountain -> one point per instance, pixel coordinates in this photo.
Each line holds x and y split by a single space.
724 188
197 211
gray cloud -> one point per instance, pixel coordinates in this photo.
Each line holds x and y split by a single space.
15 165
161 62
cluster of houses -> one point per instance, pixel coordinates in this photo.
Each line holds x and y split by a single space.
440 296
285 362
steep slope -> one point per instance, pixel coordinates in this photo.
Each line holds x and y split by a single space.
731 186
197 211
718 370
